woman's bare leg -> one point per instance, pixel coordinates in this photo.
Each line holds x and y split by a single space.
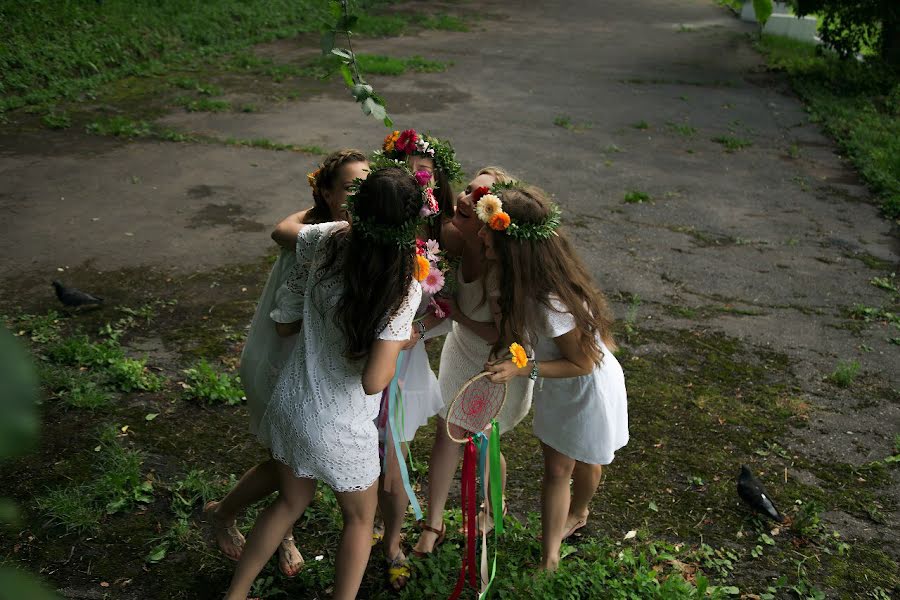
555 500
585 480
294 495
358 509
442 467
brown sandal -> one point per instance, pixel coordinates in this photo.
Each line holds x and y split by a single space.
441 536
218 529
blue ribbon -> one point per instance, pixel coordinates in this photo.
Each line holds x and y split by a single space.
394 397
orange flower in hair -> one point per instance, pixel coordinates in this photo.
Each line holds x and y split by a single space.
421 268
311 178
389 141
499 222
519 357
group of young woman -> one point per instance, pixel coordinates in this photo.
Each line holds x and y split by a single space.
344 302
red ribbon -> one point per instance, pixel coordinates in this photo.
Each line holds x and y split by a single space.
469 514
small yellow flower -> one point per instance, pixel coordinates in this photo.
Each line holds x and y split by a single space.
519 358
487 207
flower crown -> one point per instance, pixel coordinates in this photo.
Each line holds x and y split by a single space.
402 234
489 209
400 145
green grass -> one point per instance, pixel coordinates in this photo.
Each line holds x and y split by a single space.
57 120
69 49
845 373
376 64
682 129
380 25
120 126
116 485
636 197
732 143
858 104
642 124
206 385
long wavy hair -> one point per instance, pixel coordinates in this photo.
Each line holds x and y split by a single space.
326 175
375 276
533 270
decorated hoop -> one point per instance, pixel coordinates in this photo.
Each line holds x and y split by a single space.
478 402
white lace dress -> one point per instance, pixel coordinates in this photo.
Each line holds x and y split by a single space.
320 421
585 418
465 353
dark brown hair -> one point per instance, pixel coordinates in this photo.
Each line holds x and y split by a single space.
325 179
533 270
376 276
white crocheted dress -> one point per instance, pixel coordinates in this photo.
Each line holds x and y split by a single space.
320 421
464 354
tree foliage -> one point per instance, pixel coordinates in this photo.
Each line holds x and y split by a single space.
850 26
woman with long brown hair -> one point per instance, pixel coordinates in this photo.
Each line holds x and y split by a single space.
465 350
548 301
265 352
351 302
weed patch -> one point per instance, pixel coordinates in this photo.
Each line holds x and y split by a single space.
206 385
732 143
117 486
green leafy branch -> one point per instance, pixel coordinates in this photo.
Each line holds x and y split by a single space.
371 103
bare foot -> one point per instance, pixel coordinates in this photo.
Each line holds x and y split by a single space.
290 561
574 523
228 537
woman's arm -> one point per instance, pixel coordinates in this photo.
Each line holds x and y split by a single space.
574 362
486 331
380 365
285 233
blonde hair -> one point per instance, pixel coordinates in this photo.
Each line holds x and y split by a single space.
498 173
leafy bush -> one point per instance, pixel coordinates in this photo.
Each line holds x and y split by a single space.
852 26
207 385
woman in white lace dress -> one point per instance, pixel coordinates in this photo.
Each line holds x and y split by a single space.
581 408
466 349
434 161
265 351
352 303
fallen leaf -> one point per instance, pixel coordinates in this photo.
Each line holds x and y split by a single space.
104 584
630 534
151 416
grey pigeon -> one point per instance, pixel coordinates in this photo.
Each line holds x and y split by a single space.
75 298
754 495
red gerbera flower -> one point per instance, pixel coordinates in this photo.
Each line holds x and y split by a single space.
407 141
479 192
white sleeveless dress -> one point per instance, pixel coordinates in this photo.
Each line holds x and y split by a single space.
420 392
585 418
465 353
320 421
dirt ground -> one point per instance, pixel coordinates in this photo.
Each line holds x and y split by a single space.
770 245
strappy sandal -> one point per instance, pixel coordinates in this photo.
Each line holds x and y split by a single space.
398 572
218 528
284 550
377 533
441 536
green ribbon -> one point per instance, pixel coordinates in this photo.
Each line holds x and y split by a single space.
496 492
